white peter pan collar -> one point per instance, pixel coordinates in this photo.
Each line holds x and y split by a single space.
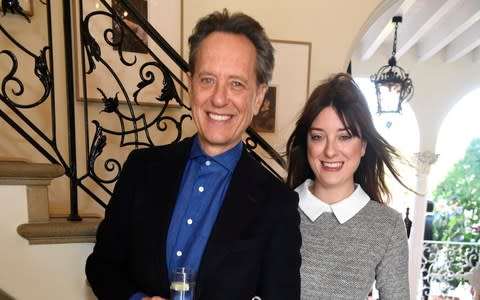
343 210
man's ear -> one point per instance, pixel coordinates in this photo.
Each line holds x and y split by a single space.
189 81
261 90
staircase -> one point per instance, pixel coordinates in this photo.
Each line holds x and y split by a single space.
76 126
41 257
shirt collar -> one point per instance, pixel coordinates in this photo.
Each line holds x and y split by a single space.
228 159
308 203
343 210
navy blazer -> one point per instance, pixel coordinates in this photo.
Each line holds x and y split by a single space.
254 247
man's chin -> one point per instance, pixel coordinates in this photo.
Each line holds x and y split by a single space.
220 143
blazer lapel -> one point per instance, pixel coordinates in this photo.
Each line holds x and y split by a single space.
236 216
240 202
165 175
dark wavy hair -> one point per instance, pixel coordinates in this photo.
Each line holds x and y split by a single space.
237 23
342 93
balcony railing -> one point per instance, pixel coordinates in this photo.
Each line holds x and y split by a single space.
443 266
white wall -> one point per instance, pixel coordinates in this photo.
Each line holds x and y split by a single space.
333 27
37 271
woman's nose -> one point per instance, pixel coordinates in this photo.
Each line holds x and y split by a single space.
330 148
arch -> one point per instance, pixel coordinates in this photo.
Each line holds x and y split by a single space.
455 133
402 131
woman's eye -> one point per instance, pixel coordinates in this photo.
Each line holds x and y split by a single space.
315 137
345 137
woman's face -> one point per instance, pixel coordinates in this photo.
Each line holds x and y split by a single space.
333 153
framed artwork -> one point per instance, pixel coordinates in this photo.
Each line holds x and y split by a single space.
291 77
26 5
131 43
167 24
288 92
264 121
286 97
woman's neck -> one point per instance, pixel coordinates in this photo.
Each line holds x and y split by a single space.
332 194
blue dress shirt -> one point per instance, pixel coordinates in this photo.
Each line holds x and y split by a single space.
202 190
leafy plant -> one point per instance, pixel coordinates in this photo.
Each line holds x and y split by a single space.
457 201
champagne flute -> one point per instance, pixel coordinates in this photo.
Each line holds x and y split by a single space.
182 286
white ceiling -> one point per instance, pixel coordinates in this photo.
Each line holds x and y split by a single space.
450 28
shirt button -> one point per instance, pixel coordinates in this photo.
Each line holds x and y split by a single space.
201 189
189 221
208 163
179 253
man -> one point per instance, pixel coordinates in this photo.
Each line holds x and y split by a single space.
426 259
205 203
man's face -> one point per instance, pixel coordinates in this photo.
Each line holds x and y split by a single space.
223 90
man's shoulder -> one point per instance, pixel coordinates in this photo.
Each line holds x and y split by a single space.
256 169
175 148
261 175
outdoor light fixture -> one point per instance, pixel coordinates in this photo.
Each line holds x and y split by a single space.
392 83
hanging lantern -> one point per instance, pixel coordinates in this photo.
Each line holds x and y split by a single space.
392 84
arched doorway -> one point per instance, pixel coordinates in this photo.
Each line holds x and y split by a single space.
401 130
454 191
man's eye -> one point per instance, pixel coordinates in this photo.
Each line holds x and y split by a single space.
237 84
206 80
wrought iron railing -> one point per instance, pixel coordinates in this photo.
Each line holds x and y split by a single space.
118 97
444 265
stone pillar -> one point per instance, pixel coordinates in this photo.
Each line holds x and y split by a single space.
422 162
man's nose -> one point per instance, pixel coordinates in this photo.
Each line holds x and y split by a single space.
219 97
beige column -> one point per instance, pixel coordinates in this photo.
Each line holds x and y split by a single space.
423 161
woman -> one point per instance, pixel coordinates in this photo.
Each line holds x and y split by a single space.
336 161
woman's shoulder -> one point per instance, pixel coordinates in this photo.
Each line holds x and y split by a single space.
380 210
385 218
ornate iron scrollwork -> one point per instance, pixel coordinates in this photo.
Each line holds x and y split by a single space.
444 264
41 70
14 7
132 126
99 142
